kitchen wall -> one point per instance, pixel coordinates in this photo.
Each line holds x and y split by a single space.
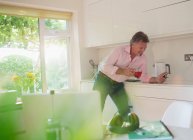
170 50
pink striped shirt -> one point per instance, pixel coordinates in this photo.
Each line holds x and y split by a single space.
120 57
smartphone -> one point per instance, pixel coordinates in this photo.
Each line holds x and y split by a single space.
165 75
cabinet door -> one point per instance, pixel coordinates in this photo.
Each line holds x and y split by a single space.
98 23
126 20
157 18
167 18
111 21
150 109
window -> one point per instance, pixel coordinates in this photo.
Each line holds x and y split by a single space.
56 37
34 50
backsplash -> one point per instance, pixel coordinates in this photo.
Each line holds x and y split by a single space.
168 50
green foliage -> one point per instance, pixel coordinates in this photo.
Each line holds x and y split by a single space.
15 65
53 24
23 32
20 32
17 32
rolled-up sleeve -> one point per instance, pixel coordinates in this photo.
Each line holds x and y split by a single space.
144 77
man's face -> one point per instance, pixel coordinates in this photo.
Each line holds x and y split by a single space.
138 48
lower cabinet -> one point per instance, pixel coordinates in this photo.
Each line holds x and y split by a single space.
150 109
151 100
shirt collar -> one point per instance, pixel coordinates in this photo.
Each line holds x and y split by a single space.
127 49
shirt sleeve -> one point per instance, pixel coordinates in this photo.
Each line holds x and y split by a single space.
144 77
109 64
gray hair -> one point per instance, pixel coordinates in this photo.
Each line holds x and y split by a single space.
139 36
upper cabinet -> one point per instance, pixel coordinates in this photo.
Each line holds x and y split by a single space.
125 20
111 21
98 22
167 17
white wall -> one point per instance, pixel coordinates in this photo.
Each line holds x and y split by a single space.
80 54
170 50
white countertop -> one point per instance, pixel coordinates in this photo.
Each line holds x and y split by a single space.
167 83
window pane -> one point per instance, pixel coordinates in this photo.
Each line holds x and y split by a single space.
19 53
56 63
52 24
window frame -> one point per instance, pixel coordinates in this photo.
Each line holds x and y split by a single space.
43 33
42 14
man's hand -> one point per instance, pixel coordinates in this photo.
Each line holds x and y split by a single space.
159 79
162 77
127 71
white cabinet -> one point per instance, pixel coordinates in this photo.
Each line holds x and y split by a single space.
150 109
111 21
126 20
167 18
150 100
98 22
157 18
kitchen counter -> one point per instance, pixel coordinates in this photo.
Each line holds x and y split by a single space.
169 91
147 98
167 83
